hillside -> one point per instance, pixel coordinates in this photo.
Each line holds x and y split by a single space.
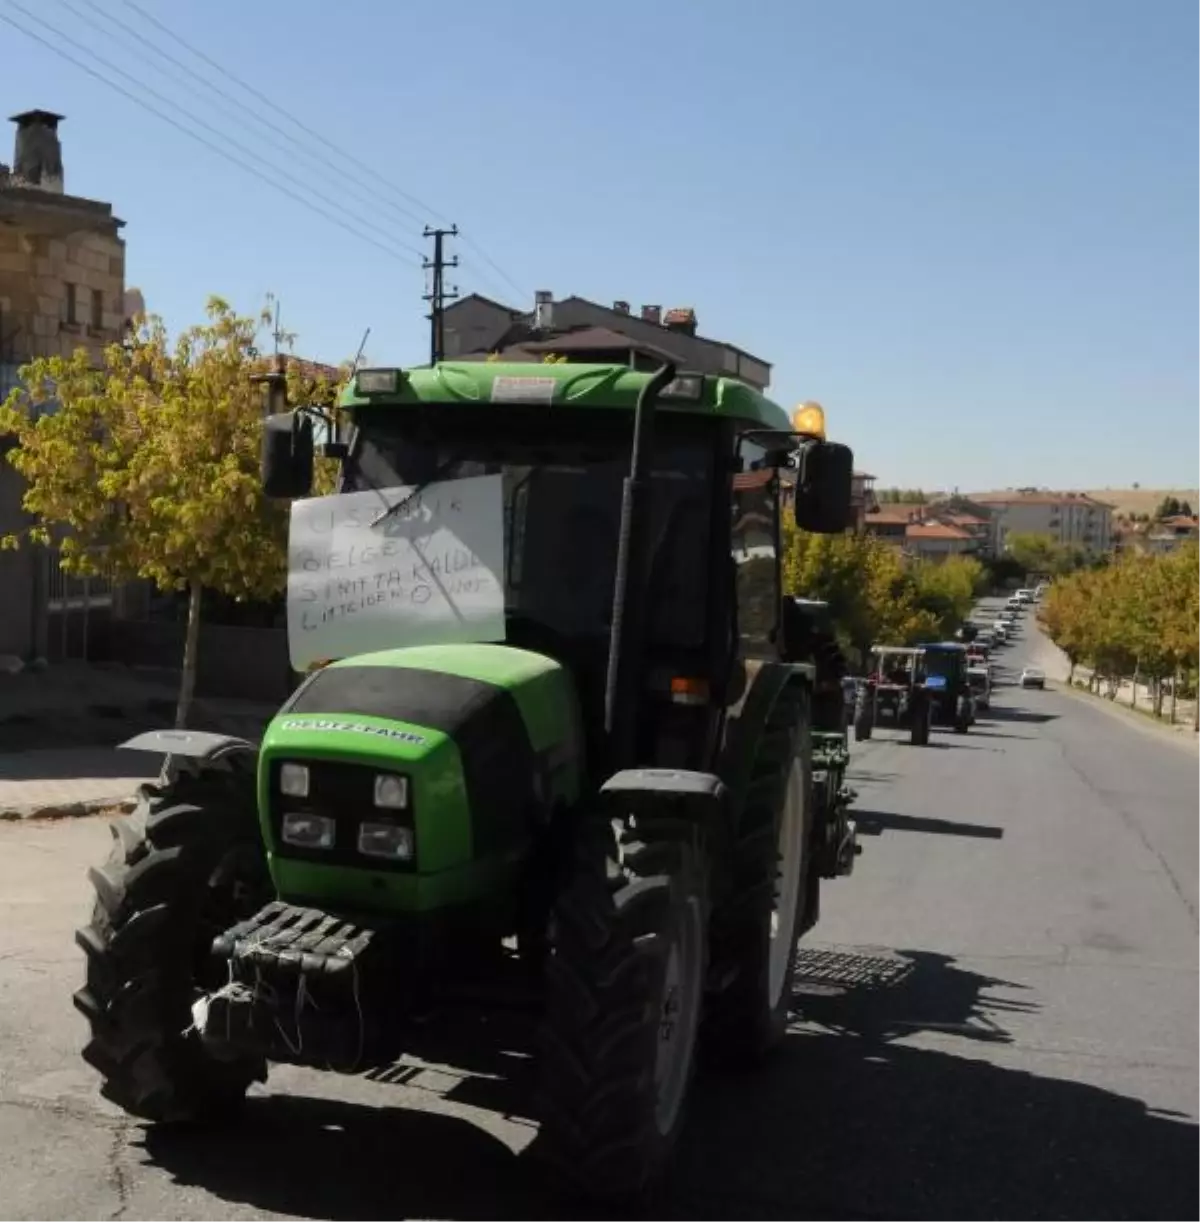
1142 500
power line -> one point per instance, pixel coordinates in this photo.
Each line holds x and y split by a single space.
216 148
216 131
235 108
315 135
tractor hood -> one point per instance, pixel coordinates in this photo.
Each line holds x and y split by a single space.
484 740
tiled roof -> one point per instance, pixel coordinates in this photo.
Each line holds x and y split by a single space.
935 530
1038 496
1181 521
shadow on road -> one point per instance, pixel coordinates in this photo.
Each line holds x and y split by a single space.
977 733
1000 713
845 1123
875 823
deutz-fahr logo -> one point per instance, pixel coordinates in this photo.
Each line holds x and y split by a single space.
405 736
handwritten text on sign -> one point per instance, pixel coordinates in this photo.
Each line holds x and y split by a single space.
432 572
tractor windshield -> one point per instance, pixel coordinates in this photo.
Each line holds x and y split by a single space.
563 474
947 663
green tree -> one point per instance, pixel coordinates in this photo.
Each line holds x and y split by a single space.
1168 507
1041 553
148 466
908 496
947 590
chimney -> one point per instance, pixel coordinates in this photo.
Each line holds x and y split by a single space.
681 319
621 307
543 309
652 314
38 158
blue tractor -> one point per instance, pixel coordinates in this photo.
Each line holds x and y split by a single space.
949 686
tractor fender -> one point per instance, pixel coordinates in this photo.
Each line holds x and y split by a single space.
199 745
746 724
697 794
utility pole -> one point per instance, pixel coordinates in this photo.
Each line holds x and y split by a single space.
438 294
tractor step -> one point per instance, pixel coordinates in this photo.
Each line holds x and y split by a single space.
305 987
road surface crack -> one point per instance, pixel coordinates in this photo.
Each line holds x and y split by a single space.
1135 827
117 1175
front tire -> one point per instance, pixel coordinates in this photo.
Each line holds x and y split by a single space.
184 867
755 931
922 720
625 987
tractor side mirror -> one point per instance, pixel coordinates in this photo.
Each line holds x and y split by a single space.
287 456
824 486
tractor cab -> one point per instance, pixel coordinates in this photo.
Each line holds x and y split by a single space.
553 753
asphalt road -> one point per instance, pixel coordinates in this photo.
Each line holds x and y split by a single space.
998 1019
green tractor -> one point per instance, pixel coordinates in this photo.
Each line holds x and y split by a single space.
553 755
832 796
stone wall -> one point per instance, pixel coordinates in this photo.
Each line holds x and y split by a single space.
44 263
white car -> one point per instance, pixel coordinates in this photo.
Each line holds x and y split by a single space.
1033 676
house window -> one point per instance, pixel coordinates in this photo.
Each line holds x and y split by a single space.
72 303
97 309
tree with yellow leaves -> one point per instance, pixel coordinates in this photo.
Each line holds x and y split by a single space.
1137 619
148 466
876 595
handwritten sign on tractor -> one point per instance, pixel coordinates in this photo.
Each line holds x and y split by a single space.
429 572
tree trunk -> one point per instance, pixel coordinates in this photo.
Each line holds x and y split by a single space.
187 684
1175 695
1133 698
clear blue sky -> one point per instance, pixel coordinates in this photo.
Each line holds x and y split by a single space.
968 228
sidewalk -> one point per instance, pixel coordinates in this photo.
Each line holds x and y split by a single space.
55 782
1057 666
59 728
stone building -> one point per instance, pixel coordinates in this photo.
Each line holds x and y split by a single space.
586 330
62 286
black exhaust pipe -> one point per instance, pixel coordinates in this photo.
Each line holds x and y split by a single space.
627 635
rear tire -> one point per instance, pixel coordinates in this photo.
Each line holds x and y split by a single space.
962 716
754 933
625 987
184 867
864 720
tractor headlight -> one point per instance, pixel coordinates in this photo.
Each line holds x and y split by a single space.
820 777
308 831
391 791
293 780
388 840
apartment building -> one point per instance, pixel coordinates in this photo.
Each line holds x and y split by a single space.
1070 518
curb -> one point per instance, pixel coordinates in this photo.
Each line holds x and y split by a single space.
1179 733
67 810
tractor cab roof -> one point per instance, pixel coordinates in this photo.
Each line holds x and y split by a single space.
559 387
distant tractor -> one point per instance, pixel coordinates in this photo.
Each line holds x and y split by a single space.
949 685
894 694
554 758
